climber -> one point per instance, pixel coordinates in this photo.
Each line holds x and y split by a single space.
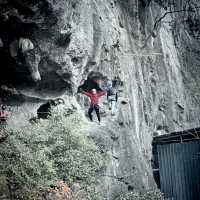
4 115
94 102
112 97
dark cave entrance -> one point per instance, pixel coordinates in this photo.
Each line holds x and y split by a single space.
12 72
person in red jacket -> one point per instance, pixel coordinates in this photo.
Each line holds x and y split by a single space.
4 115
94 102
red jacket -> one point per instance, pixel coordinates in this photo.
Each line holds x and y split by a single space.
94 98
4 115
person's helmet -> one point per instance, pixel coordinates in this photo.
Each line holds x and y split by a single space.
94 91
61 101
3 107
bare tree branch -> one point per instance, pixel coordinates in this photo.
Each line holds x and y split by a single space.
158 21
171 12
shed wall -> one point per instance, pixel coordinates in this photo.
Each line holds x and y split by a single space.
179 165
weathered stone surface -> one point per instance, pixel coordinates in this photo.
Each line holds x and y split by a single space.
158 64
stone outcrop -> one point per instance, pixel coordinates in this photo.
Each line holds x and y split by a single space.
153 46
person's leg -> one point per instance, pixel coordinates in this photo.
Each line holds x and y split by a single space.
90 112
110 105
97 112
113 107
3 131
109 102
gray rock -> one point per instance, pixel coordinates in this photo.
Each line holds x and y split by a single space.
25 45
158 66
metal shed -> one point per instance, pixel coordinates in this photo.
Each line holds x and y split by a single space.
176 164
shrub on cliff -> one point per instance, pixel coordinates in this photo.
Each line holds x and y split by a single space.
150 195
50 151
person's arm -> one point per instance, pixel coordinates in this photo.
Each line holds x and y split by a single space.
86 93
102 93
116 97
79 89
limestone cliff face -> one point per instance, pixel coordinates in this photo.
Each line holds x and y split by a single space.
156 59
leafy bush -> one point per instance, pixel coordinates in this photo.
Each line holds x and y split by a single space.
151 195
50 151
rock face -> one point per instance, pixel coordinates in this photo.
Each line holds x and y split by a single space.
153 46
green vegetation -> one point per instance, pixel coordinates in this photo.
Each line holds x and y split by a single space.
151 195
47 152
38 157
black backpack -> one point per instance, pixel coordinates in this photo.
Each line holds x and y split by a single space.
111 92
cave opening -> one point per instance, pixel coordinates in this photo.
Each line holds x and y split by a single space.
13 71
19 19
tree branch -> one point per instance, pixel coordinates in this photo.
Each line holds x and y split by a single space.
171 12
162 17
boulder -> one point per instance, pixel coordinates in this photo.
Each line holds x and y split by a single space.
25 44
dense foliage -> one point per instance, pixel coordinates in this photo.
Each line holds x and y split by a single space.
50 151
151 195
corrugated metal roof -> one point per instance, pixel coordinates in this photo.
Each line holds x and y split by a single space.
177 137
179 165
